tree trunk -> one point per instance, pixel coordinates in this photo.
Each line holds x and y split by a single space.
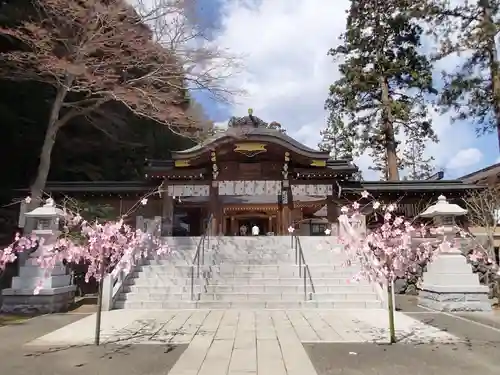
391 308
48 145
388 131
97 334
490 28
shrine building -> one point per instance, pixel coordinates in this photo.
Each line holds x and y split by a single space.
253 173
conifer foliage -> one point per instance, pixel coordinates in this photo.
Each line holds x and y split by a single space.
472 89
337 139
385 80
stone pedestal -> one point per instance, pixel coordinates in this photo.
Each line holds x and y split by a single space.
450 285
57 293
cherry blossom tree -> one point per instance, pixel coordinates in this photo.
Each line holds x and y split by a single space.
387 252
396 248
105 247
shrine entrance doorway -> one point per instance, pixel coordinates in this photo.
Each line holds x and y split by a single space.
265 222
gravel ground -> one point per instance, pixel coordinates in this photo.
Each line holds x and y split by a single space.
478 353
18 359
397 359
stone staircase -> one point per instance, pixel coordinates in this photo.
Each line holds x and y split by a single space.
248 272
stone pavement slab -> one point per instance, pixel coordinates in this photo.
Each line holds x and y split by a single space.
232 342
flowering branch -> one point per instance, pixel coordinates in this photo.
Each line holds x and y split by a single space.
113 245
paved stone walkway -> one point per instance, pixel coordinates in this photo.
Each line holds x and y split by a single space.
232 342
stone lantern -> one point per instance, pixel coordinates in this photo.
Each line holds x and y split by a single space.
449 283
57 292
47 221
443 214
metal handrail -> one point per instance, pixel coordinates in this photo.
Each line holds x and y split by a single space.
199 256
301 261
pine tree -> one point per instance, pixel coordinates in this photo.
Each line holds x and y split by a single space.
416 163
378 155
339 142
472 90
384 77
337 139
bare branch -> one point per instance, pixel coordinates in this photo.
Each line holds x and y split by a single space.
147 58
483 207
175 26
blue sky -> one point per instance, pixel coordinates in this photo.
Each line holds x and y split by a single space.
283 46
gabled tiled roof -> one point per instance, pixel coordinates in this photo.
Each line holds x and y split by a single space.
481 174
252 133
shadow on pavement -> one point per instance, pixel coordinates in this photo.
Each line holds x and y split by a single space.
121 357
106 359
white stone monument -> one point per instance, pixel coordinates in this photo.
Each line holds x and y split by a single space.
57 293
449 283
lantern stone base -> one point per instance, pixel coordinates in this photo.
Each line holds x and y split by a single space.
456 298
450 285
50 300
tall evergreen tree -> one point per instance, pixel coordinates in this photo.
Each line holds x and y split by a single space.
473 89
415 162
337 139
384 77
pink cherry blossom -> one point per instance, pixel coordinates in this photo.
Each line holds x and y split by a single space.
390 250
384 253
109 246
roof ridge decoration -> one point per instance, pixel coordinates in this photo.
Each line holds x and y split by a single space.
252 121
252 129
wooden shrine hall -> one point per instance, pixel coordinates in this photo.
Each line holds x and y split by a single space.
254 174
250 174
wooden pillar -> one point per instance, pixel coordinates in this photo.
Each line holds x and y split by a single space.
270 223
287 206
167 212
214 208
332 213
234 228
278 222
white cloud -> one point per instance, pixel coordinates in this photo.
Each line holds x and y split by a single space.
287 71
465 158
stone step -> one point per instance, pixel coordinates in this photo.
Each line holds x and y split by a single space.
152 273
162 280
247 272
284 269
151 305
215 289
140 279
259 297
